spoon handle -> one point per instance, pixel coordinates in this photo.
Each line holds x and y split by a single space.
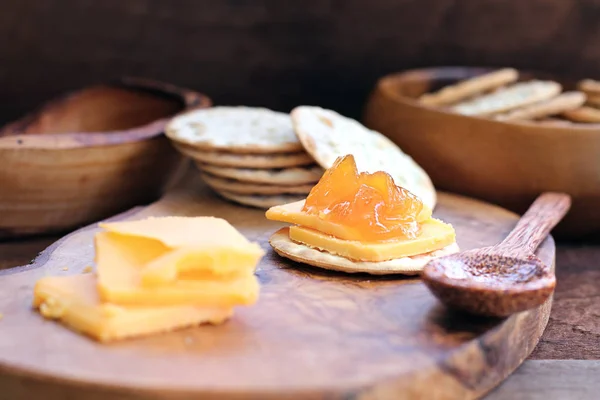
533 227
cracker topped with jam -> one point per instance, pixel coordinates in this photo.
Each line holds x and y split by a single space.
361 222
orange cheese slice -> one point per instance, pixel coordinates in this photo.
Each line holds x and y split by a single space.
74 301
191 263
171 248
122 261
434 235
292 213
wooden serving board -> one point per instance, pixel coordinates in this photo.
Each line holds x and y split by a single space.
312 335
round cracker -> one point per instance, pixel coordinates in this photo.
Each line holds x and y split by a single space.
258 161
233 186
285 176
235 129
258 201
285 247
327 135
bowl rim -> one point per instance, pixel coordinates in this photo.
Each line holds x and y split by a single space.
189 98
386 84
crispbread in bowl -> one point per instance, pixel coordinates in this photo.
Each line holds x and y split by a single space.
89 154
507 163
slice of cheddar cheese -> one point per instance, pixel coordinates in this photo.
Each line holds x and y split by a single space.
75 302
292 213
190 263
122 260
169 248
434 235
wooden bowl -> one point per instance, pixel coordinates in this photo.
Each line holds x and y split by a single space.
88 155
505 163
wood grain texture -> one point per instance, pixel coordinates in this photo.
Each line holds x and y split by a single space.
551 379
281 54
21 252
537 223
573 329
313 334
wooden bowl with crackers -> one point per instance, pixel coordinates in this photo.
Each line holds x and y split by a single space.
88 155
497 135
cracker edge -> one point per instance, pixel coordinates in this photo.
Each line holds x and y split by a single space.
551 89
282 236
466 88
565 101
240 187
247 160
254 201
302 178
583 114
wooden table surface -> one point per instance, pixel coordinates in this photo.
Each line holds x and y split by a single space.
566 362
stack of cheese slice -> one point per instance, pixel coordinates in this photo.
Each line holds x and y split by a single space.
360 222
321 243
155 275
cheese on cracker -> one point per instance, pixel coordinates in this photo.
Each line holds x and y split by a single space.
413 265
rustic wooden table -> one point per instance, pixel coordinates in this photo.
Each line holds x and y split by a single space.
566 362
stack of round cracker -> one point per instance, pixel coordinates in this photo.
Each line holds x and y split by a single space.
263 158
247 155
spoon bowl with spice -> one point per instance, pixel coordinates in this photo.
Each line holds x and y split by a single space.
504 279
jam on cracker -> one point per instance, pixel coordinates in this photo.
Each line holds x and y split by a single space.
370 205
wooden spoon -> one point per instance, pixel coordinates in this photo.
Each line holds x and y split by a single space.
506 278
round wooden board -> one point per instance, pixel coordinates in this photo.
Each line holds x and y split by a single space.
313 334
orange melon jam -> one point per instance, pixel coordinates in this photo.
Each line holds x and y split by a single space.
370 206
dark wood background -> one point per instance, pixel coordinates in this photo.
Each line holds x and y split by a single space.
280 53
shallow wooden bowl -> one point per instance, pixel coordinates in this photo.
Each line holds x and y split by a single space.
505 163
88 155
